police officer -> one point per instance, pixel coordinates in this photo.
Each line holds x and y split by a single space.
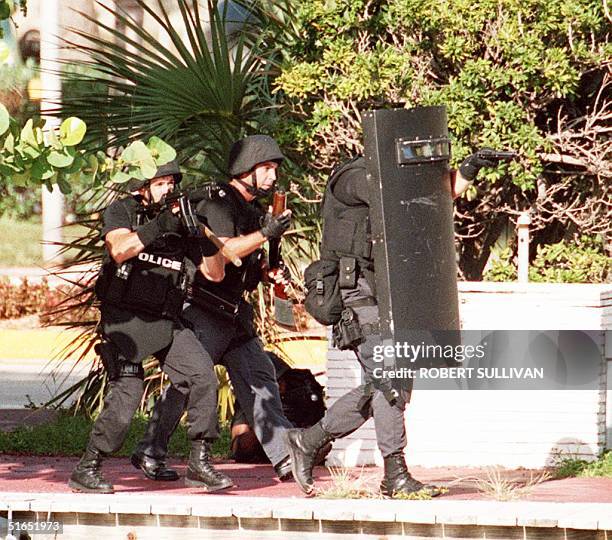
141 293
347 201
217 312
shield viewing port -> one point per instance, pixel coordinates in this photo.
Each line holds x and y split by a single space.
424 150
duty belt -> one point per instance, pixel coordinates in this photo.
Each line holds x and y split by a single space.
362 302
368 329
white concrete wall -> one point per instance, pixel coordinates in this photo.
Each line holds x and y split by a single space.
607 323
510 428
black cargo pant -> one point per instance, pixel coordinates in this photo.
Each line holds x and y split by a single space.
191 376
253 380
354 408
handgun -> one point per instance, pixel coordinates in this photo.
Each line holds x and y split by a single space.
497 155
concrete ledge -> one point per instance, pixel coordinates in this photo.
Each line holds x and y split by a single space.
473 519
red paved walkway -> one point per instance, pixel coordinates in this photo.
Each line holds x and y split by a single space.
50 474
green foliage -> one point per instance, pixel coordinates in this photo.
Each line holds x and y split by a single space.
140 160
15 76
571 467
31 156
20 244
198 96
569 262
584 261
69 434
18 203
511 75
486 61
7 7
502 268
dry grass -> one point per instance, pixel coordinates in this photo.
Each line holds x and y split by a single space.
346 484
496 486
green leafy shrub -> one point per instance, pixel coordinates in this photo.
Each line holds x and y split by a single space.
568 262
19 202
502 268
68 436
584 261
572 467
530 75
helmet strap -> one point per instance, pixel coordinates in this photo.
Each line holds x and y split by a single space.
150 196
252 188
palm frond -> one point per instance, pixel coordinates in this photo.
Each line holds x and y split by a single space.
199 94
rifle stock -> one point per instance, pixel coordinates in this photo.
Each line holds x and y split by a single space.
225 251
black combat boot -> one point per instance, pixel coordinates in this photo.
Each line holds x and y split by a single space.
153 469
283 470
303 446
398 480
86 476
201 473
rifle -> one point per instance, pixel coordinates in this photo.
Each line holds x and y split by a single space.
194 226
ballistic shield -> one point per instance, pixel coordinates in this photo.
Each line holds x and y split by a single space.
407 154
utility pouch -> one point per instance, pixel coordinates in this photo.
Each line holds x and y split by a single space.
323 299
348 273
213 303
112 282
347 333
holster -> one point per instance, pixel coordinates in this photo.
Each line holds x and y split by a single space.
213 303
244 319
115 365
347 333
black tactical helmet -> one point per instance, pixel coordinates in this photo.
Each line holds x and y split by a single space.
169 169
249 152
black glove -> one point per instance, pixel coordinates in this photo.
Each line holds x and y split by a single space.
164 222
478 160
275 226
207 248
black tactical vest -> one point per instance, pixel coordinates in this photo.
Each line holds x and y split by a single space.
153 282
246 218
346 229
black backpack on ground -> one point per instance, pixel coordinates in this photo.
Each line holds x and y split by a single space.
303 405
